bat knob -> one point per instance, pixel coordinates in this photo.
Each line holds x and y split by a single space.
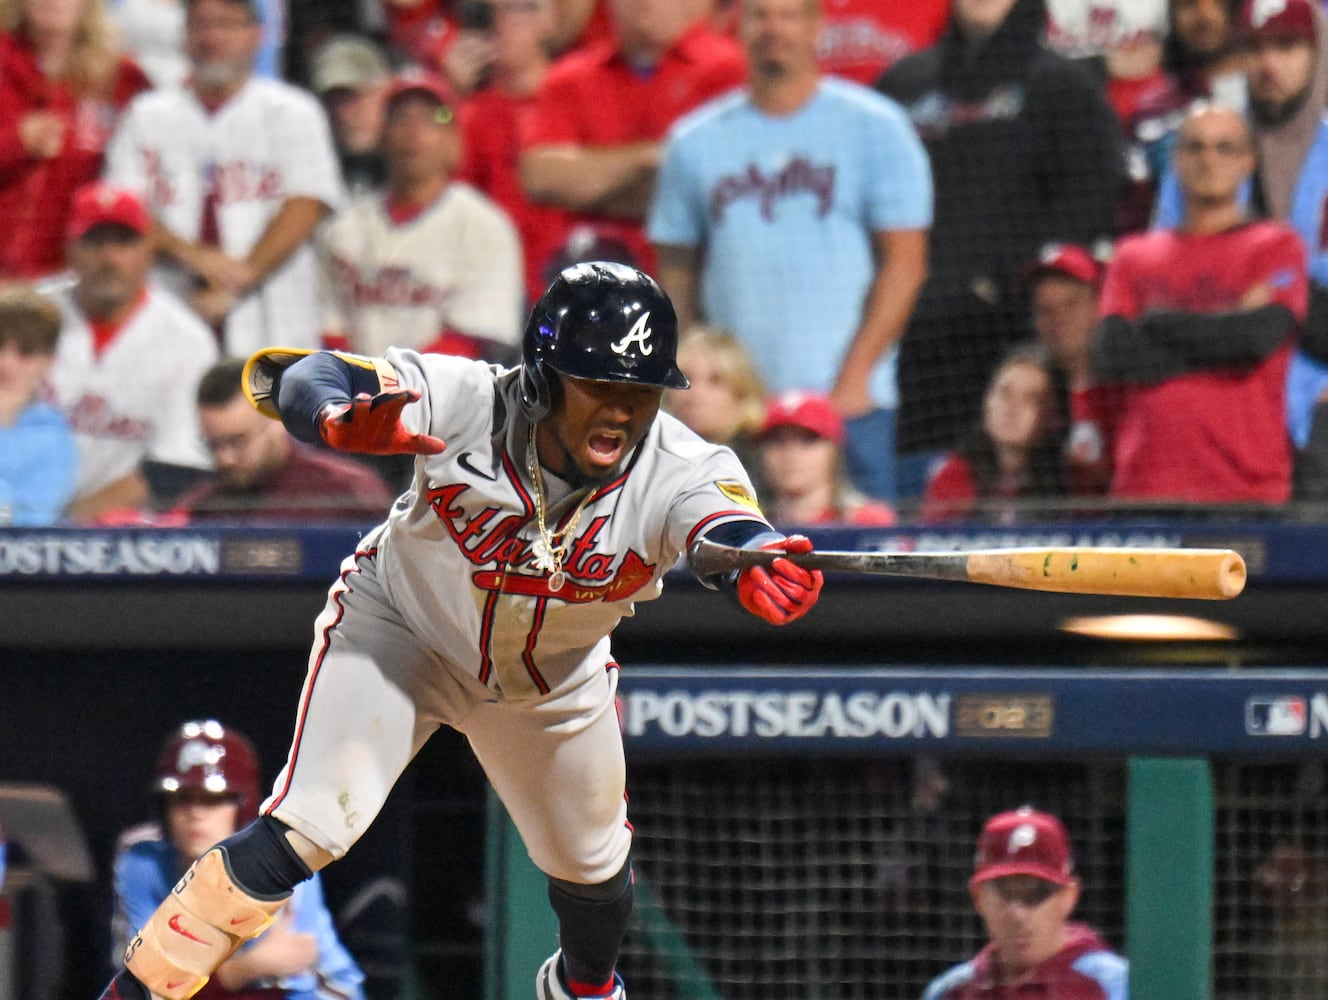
1231 575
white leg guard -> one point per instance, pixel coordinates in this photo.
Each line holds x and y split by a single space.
196 928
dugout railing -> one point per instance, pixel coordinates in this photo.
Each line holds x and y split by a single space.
808 834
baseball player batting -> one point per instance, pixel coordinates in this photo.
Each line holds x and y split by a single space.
548 499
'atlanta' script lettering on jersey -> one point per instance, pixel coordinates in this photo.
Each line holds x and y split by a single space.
486 540
798 176
394 285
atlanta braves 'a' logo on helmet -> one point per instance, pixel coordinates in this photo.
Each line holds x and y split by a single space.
639 335
600 321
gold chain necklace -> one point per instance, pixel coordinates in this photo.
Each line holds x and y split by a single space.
550 549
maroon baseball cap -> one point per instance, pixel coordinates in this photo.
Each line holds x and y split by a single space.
1267 19
1023 842
808 410
100 203
1069 259
418 81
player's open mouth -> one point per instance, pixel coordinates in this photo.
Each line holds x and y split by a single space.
605 449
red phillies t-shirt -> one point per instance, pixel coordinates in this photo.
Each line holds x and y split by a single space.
35 193
861 39
490 122
593 97
1217 435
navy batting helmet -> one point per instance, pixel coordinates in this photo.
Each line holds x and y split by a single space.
205 756
600 321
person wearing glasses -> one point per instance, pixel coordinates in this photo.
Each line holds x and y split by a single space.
1199 322
1025 890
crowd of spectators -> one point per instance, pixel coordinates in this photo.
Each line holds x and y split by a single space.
917 218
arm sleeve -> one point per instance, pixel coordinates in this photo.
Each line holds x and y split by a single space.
740 535
676 214
313 382
900 193
715 500
1314 338
1237 338
488 301
311 169
1124 354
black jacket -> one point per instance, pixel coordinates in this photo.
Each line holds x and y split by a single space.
1024 150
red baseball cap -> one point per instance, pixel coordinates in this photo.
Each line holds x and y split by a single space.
808 410
1023 842
1277 19
1069 259
418 81
100 203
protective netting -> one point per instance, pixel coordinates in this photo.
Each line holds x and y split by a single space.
789 879
783 879
1271 911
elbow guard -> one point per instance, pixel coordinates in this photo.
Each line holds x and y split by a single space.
294 385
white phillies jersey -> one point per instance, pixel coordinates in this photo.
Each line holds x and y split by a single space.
455 267
268 143
135 400
455 555
1078 29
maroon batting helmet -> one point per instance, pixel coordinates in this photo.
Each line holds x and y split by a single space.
205 756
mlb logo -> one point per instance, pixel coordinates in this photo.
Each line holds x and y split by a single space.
1282 716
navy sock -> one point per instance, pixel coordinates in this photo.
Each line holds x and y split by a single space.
592 924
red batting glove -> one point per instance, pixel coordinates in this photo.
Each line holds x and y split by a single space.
372 425
785 592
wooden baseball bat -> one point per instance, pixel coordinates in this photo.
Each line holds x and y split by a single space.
1203 574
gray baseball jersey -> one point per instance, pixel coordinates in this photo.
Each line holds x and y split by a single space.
443 617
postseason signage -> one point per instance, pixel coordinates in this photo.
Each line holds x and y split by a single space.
108 554
828 711
67 555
